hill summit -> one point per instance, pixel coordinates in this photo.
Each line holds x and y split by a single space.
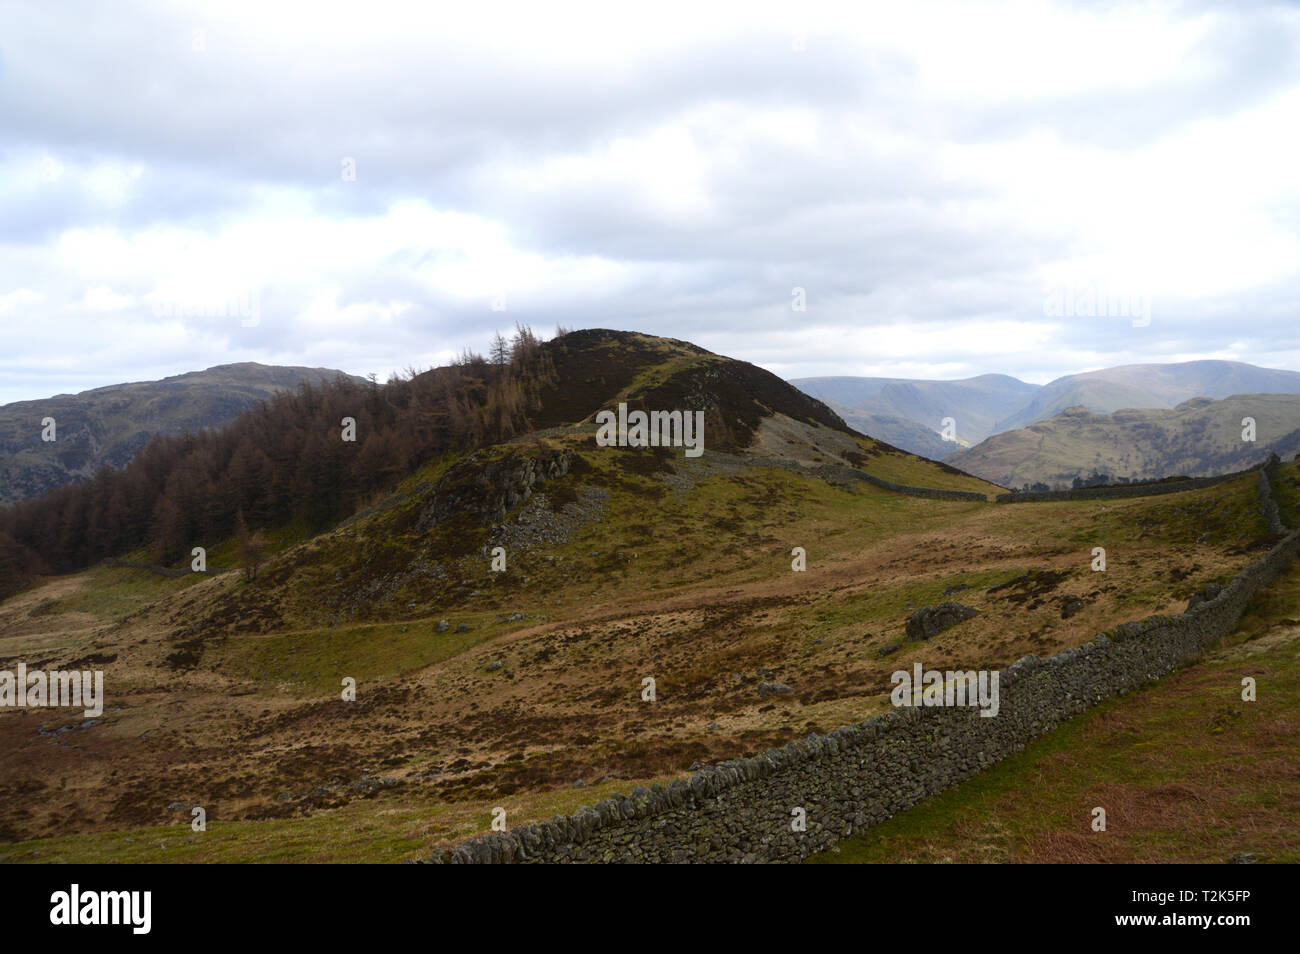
318 455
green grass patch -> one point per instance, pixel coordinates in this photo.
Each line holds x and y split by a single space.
387 829
114 593
312 662
1225 514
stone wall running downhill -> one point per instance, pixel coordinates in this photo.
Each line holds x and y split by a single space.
862 774
1267 502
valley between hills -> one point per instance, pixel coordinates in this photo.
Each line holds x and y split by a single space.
1127 423
478 688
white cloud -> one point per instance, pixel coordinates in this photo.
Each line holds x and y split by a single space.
14 301
921 169
103 298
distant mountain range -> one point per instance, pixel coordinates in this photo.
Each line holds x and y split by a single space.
109 425
910 413
996 419
885 407
285 464
1197 438
1150 386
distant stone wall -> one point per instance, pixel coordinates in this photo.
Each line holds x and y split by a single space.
1121 490
862 774
855 474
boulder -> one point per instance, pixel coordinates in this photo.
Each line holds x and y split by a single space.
931 620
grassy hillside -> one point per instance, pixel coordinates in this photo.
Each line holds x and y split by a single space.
478 689
1198 438
522 688
1186 771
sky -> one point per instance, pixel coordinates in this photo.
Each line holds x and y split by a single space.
932 190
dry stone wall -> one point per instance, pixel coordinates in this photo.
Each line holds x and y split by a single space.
1267 502
1120 490
862 774
834 470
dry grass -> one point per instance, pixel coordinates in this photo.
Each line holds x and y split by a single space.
209 715
1186 771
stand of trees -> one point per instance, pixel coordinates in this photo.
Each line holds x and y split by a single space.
284 460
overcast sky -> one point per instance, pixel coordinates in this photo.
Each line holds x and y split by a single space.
370 186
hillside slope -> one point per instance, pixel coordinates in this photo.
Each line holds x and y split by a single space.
457 504
898 431
296 459
107 426
475 683
597 368
1198 438
523 688
1155 759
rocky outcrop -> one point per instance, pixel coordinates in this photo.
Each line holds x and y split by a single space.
486 492
931 620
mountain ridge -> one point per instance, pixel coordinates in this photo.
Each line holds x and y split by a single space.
1152 385
1199 437
283 462
974 403
108 425
912 411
